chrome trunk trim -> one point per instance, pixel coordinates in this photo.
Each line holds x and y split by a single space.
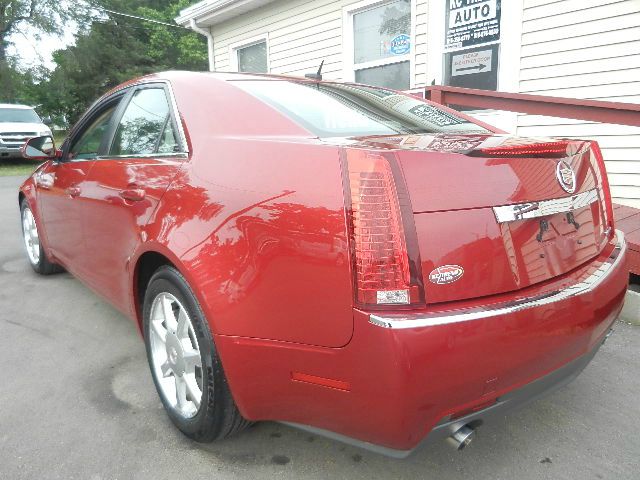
522 211
454 316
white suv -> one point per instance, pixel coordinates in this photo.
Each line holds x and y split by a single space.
18 123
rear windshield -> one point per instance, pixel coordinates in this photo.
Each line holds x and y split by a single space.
340 110
18 115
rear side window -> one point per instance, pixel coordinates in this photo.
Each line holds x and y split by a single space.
145 126
337 110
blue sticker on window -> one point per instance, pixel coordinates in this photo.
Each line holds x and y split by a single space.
400 45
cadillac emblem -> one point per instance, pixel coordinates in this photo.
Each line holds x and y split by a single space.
566 177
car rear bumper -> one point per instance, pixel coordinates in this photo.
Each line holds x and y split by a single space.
513 400
396 384
519 397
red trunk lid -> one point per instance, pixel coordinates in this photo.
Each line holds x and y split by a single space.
470 249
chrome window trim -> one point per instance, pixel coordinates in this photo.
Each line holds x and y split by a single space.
455 316
523 211
143 155
176 116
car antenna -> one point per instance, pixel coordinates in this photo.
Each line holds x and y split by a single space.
317 75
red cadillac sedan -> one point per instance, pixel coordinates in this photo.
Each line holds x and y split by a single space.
347 259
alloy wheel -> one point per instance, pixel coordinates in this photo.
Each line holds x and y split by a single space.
30 235
175 355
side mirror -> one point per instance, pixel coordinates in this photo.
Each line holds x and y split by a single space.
47 121
39 148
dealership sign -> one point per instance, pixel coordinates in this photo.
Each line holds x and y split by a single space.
471 62
471 22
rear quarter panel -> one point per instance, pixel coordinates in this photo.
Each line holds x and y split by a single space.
259 228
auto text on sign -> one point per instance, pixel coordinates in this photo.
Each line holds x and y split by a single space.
465 12
471 22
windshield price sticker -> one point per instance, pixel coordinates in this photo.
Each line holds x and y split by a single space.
435 116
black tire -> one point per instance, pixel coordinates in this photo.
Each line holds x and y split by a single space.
43 265
218 416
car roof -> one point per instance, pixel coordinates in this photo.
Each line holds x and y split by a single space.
224 76
15 105
185 76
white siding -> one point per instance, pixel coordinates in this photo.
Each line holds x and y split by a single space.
420 43
586 49
302 33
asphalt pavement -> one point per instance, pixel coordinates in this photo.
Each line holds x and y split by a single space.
77 402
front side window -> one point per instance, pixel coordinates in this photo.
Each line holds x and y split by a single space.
382 45
343 110
87 145
253 58
145 126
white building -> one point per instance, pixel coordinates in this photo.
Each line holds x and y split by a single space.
586 49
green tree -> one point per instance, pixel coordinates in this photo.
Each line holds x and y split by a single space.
115 49
17 86
40 16
173 47
44 16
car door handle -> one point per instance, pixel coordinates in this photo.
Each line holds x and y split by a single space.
133 194
73 191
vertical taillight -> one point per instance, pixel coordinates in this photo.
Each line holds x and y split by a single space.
383 272
606 190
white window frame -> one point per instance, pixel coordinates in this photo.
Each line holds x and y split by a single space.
248 42
349 66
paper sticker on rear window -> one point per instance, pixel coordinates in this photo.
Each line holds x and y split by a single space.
435 116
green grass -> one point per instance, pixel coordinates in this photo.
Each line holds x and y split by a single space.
17 167
59 136
21 167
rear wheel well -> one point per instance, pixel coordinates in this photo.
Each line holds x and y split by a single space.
147 265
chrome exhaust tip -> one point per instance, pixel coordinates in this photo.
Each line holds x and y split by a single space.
462 437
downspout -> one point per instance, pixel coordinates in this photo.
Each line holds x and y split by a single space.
206 33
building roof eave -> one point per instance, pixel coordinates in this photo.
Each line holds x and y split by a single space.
210 12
